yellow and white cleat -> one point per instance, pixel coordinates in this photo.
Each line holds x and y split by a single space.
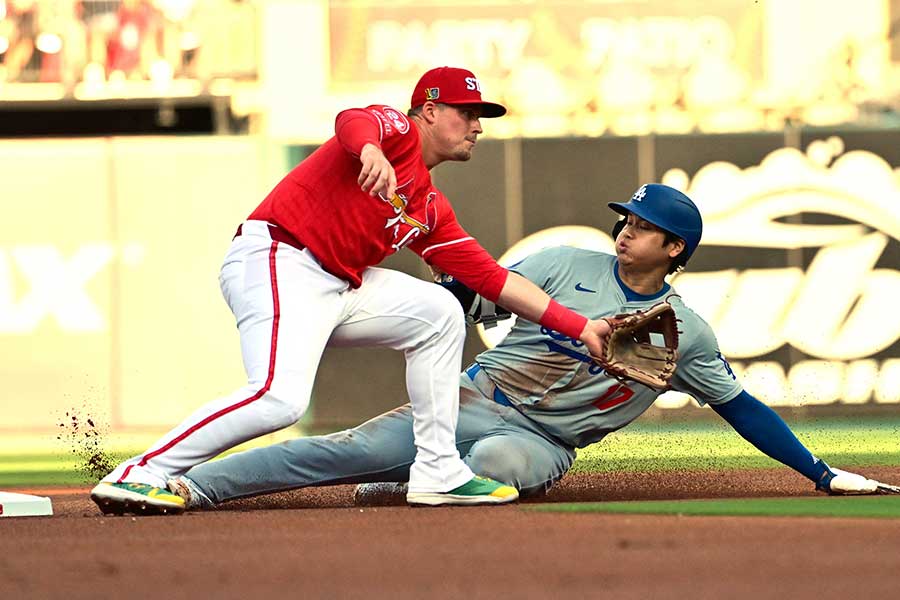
477 491
136 499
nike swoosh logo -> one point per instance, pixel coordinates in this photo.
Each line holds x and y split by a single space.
578 288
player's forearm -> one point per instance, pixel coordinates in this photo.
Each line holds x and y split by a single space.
762 427
531 302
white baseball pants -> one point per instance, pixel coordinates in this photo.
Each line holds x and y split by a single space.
287 310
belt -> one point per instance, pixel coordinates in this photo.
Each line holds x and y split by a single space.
498 396
277 234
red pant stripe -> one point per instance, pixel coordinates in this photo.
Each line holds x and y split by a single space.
271 375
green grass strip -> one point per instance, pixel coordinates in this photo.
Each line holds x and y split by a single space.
49 469
878 507
43 478
672 446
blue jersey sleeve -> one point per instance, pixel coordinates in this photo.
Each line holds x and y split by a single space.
762 427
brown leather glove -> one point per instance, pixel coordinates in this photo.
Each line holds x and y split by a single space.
629 352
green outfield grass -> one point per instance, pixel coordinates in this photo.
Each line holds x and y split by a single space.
881 507
47 469
666 447
640 447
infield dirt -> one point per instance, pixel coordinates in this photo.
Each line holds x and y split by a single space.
315 544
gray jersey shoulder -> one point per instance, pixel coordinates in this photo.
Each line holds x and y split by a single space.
703 371
552 268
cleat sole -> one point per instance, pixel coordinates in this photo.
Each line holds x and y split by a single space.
437 499
122 506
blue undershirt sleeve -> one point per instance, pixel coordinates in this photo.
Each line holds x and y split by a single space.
762 427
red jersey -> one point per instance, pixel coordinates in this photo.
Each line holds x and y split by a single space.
321 204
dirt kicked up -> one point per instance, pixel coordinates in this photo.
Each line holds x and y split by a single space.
315 544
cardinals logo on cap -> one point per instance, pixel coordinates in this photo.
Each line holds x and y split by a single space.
432 93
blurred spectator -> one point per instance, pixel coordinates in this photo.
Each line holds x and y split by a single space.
61 40
100 20
219 40
19 29
98 40
136 41
178 42
5 32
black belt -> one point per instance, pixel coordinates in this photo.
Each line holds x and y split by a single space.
278 234
498 396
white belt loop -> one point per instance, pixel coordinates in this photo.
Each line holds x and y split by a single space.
254 227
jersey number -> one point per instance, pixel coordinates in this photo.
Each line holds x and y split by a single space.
728 368
614 396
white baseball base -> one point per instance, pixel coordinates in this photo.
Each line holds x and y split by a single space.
24 505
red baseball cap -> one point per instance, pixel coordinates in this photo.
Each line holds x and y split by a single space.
449 85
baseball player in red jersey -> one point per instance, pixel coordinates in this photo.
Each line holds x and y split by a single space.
300 274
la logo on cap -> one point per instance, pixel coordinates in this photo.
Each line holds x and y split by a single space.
432 93
639 195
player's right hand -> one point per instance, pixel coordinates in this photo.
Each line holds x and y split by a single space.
377 174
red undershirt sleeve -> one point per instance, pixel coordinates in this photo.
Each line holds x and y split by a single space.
452 250
356 127
472 266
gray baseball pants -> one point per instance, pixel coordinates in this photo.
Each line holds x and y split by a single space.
496 441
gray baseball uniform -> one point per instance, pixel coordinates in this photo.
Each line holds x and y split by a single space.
525 405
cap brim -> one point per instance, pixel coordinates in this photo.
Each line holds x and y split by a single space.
489 110
619 207
630 208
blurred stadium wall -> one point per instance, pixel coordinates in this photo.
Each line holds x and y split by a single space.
136 140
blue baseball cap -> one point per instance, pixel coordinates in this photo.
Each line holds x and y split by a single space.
668 209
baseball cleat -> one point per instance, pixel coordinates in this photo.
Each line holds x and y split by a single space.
381 494
136 499
187 490
476 491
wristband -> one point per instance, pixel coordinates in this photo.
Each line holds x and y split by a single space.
559 318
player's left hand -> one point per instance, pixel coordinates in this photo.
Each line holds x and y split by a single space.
842 483
594 336
631 351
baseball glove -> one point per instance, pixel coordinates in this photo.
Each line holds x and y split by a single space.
630 353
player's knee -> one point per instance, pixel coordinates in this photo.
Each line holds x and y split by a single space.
283 405
441 303
456 322
438 321
451 315
501 466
